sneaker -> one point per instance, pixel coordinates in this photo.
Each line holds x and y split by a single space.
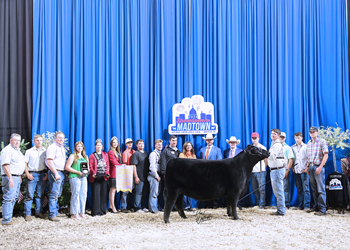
277 214
140 211
40 215
8 224
125 211
319 213
28 218
55 219
261 207
74 216
154 212
82 216
145 210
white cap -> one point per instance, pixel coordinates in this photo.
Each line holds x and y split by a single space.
128 140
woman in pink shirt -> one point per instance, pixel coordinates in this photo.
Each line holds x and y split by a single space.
128 152
187 152
115 158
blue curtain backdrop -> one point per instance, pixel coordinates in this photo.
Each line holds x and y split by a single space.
115 68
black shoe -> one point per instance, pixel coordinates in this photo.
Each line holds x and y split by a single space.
189 209
240 207
277 214
125 211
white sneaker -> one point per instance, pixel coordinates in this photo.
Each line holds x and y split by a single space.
145 210
140 211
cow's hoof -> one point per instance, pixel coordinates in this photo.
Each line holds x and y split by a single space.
166 221
229 215
236 218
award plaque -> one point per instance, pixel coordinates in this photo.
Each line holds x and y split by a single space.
84 168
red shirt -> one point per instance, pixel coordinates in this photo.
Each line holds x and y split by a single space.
127 156
93 165
113 161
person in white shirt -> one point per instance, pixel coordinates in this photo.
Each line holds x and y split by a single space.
300 172
258 176
56 161
36 172
276 162
12 167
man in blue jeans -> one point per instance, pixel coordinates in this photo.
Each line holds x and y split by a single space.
37 178
300 174
276 163
258 176
12 168
289 159
141 161
317 154
153 176
55 160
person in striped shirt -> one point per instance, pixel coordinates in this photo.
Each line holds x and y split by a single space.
317 155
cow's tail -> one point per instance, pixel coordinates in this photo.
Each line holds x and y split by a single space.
165 194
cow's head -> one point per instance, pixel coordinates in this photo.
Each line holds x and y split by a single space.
257 152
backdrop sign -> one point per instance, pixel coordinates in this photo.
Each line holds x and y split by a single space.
193 116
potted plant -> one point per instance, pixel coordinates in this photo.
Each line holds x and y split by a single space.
335 138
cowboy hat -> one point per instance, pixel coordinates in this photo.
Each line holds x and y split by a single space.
209 137
233 139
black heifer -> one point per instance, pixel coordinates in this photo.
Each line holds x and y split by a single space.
209 179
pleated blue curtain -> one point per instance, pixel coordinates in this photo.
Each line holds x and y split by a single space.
115 68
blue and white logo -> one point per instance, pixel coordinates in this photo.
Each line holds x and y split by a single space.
193 116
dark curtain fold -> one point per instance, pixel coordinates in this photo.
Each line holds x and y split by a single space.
16 68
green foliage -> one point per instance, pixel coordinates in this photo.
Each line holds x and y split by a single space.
23 146
335 137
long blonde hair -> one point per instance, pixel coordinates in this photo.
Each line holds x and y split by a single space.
76 153
117 149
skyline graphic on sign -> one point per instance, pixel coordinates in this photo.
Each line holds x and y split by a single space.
193 116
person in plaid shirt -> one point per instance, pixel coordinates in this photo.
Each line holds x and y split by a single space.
317 155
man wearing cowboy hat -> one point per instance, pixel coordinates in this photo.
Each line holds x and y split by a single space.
233 150
210 152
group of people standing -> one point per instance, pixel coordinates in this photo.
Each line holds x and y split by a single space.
43 166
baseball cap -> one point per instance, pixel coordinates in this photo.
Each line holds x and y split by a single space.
255 134
313 129
283 135
128 140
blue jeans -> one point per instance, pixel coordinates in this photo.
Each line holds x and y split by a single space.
40 185
78 186
153 194
9 198
286 184
276 177
186 204
138 195
302 183
318 187
55 192
256 183
123 200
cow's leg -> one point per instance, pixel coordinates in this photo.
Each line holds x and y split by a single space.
179 206
170 199
229 206
234 200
